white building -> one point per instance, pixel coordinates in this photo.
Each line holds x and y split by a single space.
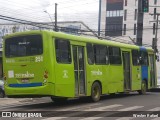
119 18
71 27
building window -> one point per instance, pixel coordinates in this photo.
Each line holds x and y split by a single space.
155 2
125 2
115 13
125 15
155 12
135 14
124 29
135 28
114 26
154 28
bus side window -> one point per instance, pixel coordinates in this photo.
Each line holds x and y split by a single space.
144 58
63 51
101 54
90 53
115 55
135 58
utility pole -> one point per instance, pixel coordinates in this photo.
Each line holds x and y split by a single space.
154 43
56 17
156 34
99 18
139 24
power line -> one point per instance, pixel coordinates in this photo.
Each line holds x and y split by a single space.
33 23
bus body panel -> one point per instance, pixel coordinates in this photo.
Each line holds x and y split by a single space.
136 73
116 79
144 68
152 82
136 77
64 80
25 75
43 75
145 73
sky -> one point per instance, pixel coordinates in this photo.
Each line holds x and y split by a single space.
67 10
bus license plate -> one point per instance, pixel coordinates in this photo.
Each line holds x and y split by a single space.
25 81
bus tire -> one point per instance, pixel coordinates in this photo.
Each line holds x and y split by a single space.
59 99
95 92
143 88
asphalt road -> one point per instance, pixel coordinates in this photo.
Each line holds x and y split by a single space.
115 107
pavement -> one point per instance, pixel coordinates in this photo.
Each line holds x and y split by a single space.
13 101
8 101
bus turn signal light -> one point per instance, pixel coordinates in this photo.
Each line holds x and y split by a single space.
46 74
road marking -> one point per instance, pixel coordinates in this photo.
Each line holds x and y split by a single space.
130 118
130 108
85 111
104 108
156 118
76 108
92 118
54 118
155 109
125 118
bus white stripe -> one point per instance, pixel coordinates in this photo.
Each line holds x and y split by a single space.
130 108
104 108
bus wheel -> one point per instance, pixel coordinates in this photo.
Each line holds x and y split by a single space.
95 92
59 99
143 88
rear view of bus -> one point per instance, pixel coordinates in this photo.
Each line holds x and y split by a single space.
24 69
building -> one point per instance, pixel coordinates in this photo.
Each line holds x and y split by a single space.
121 19
70 27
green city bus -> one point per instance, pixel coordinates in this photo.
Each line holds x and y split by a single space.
47 63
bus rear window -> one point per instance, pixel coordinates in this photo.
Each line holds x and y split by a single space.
23 46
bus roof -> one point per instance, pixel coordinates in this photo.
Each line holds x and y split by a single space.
78 38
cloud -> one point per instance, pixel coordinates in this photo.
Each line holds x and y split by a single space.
68 10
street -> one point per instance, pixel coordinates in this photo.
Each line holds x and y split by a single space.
119 107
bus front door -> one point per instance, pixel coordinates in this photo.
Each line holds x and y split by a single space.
127 71
153 83
79 70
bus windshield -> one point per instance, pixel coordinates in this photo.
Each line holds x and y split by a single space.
23 46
